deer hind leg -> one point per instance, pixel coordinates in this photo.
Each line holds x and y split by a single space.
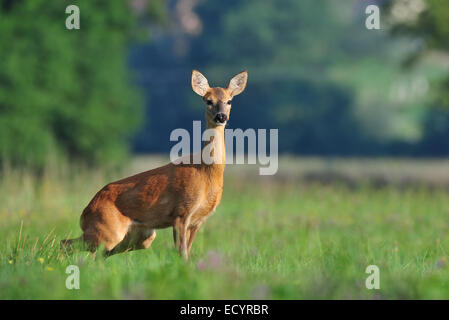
105 229
146 243
134 240
68 244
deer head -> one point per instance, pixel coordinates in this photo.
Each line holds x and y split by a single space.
218 100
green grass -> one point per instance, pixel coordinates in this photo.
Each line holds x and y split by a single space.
270 238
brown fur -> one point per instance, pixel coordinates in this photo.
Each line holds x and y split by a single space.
124 214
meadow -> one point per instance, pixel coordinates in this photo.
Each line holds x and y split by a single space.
309 232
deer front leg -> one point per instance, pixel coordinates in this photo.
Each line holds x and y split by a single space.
175 237
193 229
181 241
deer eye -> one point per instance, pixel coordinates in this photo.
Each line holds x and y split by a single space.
209 102
229 102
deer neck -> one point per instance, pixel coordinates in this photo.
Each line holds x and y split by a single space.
215 147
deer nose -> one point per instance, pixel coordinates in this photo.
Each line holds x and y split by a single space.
221 117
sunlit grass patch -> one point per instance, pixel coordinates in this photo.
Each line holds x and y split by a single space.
269 239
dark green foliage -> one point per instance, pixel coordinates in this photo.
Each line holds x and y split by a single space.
65 92
431 28
430 24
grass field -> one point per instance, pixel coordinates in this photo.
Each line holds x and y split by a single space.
307 233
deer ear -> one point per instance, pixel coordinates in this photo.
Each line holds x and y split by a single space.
238 83
199 83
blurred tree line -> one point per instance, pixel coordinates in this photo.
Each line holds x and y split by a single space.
288 48
67 93
331 86
427 21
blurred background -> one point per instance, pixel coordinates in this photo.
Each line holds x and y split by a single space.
121 84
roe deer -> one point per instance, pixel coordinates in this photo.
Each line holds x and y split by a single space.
124 215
